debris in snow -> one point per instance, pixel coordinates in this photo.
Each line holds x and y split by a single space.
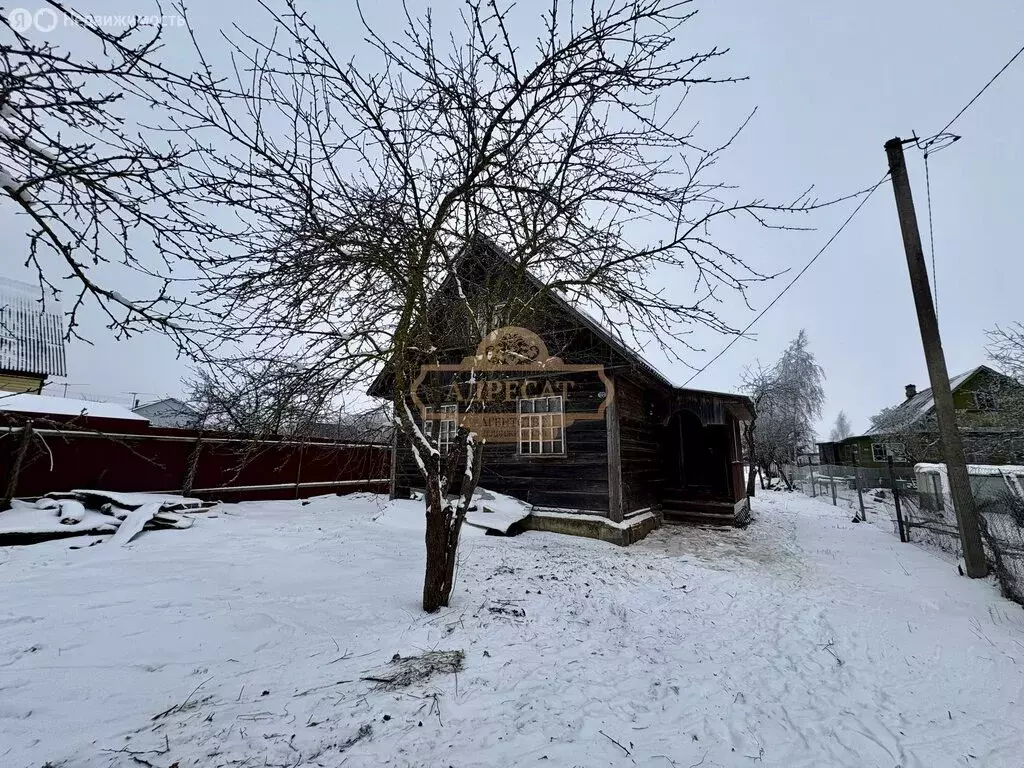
71 511
133 524
498 512
417 669
506 609
81 512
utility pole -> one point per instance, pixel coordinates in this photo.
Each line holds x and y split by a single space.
952 447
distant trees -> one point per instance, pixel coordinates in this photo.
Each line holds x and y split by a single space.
788 397
1006 349
263 396
841 429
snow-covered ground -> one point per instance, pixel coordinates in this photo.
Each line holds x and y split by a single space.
804 640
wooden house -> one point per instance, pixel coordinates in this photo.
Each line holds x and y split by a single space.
583 428
989 412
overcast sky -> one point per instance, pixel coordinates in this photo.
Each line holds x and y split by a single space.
832 82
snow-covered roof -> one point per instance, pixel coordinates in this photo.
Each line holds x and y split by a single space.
921 404
31 338
66 406
166 402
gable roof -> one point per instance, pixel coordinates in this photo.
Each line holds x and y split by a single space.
579 314
31 338
743 403
922 404
172 402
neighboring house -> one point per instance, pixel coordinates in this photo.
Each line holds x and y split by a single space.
990 415
170 412
42 408
615 444
31 339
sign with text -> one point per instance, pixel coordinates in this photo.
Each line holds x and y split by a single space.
510 382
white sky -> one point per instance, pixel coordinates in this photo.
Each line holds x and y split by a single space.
832 82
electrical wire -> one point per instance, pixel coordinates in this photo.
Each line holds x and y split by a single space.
867 195
941 140
977 96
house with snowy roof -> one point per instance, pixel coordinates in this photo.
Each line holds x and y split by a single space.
578 425
31 339
990 414
170 412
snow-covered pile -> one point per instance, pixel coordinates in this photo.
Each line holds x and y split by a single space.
63 514
259 638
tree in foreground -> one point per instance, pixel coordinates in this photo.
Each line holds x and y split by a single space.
356 188
788 398
99 196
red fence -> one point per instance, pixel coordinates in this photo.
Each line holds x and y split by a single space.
124 456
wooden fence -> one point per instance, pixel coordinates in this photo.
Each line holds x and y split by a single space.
126 457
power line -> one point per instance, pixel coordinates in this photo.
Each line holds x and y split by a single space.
867 195
941 135
977 96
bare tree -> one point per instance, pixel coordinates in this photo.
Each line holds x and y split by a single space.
1006 349
788 398
909 436
97 194
263 397
358 187
841 429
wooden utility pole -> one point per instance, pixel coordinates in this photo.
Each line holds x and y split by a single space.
952 448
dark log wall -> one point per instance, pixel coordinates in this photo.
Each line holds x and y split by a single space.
576 481
641 440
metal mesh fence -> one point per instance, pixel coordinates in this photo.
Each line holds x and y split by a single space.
926 510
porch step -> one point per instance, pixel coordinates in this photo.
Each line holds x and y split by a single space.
701 512
702 518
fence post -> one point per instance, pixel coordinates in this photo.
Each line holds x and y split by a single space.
832 481
19 458
860 493
896 499
298 472
193 466
814 489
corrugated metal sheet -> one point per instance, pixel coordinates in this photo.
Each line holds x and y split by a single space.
31 338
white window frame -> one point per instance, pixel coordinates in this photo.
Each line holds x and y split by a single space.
542 431
896 450
446 428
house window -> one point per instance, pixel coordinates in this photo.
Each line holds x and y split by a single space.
542 425
881 452
447 427
985 401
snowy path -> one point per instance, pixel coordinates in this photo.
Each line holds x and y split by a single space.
804 640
